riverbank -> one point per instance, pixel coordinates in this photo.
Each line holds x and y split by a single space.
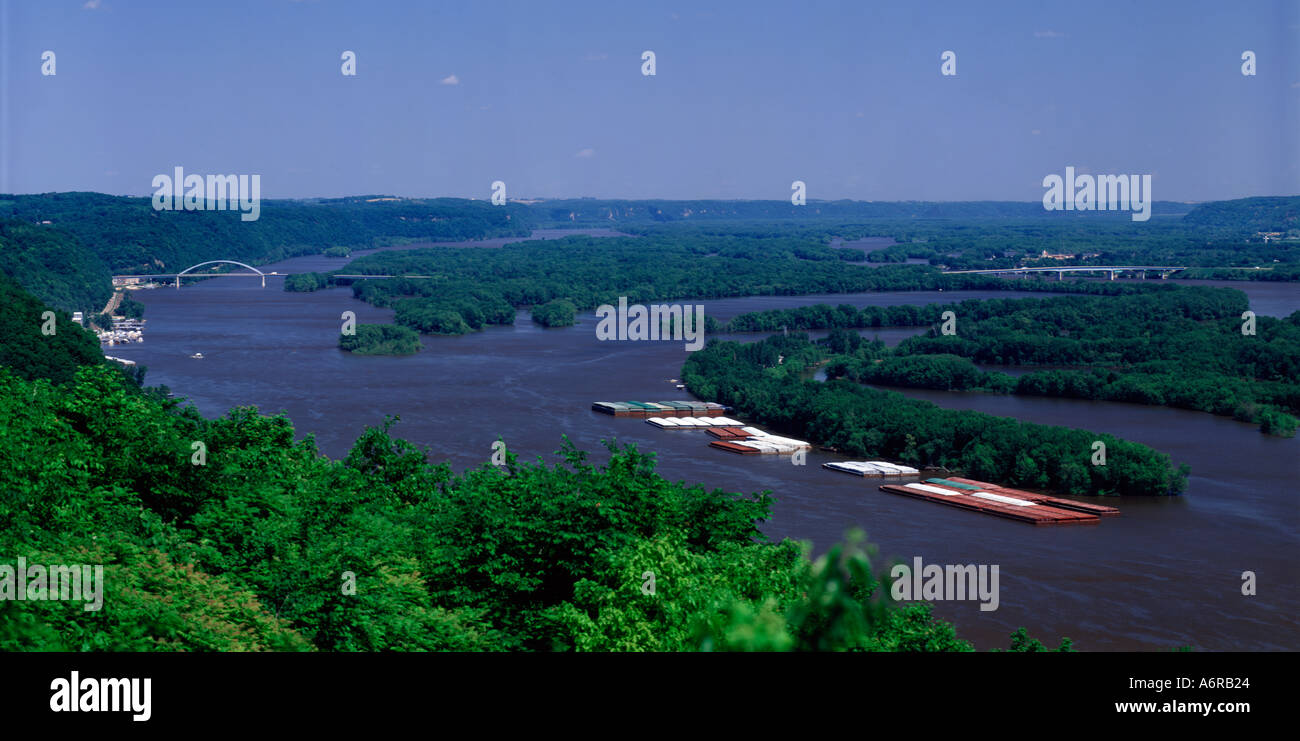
1166 573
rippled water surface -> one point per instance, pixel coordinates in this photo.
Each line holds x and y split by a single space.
1165 573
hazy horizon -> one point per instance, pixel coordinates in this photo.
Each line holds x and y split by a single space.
746 98
539 199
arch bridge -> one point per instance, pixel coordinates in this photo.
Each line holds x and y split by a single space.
227 262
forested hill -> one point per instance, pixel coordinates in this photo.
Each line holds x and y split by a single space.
594 211
53 265
63 246
261 543
31 353
76 240
1250 215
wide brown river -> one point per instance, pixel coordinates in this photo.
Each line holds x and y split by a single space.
1166 573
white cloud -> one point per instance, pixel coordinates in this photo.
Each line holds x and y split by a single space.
91 5
449 80
1036 132
587 153
1048 35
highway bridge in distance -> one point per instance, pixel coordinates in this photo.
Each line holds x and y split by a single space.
176 277
187 271
1164 270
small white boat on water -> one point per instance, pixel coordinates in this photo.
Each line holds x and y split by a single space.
198 355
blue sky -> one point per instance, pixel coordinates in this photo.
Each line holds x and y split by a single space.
549 97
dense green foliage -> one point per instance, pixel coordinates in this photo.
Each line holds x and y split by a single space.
306 282
986 235
463 289
1180 347
130 308
88 235
984 244
1013 244
229 534
943 372
27 351
1276 274
1246 215
255 549
52 265
1021 642
68 262
255 546
128 235
337 252
557 313
763 380
605 212
823 316
381 339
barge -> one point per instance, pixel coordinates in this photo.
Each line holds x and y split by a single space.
1096 509
1011 504
871 468
660 408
